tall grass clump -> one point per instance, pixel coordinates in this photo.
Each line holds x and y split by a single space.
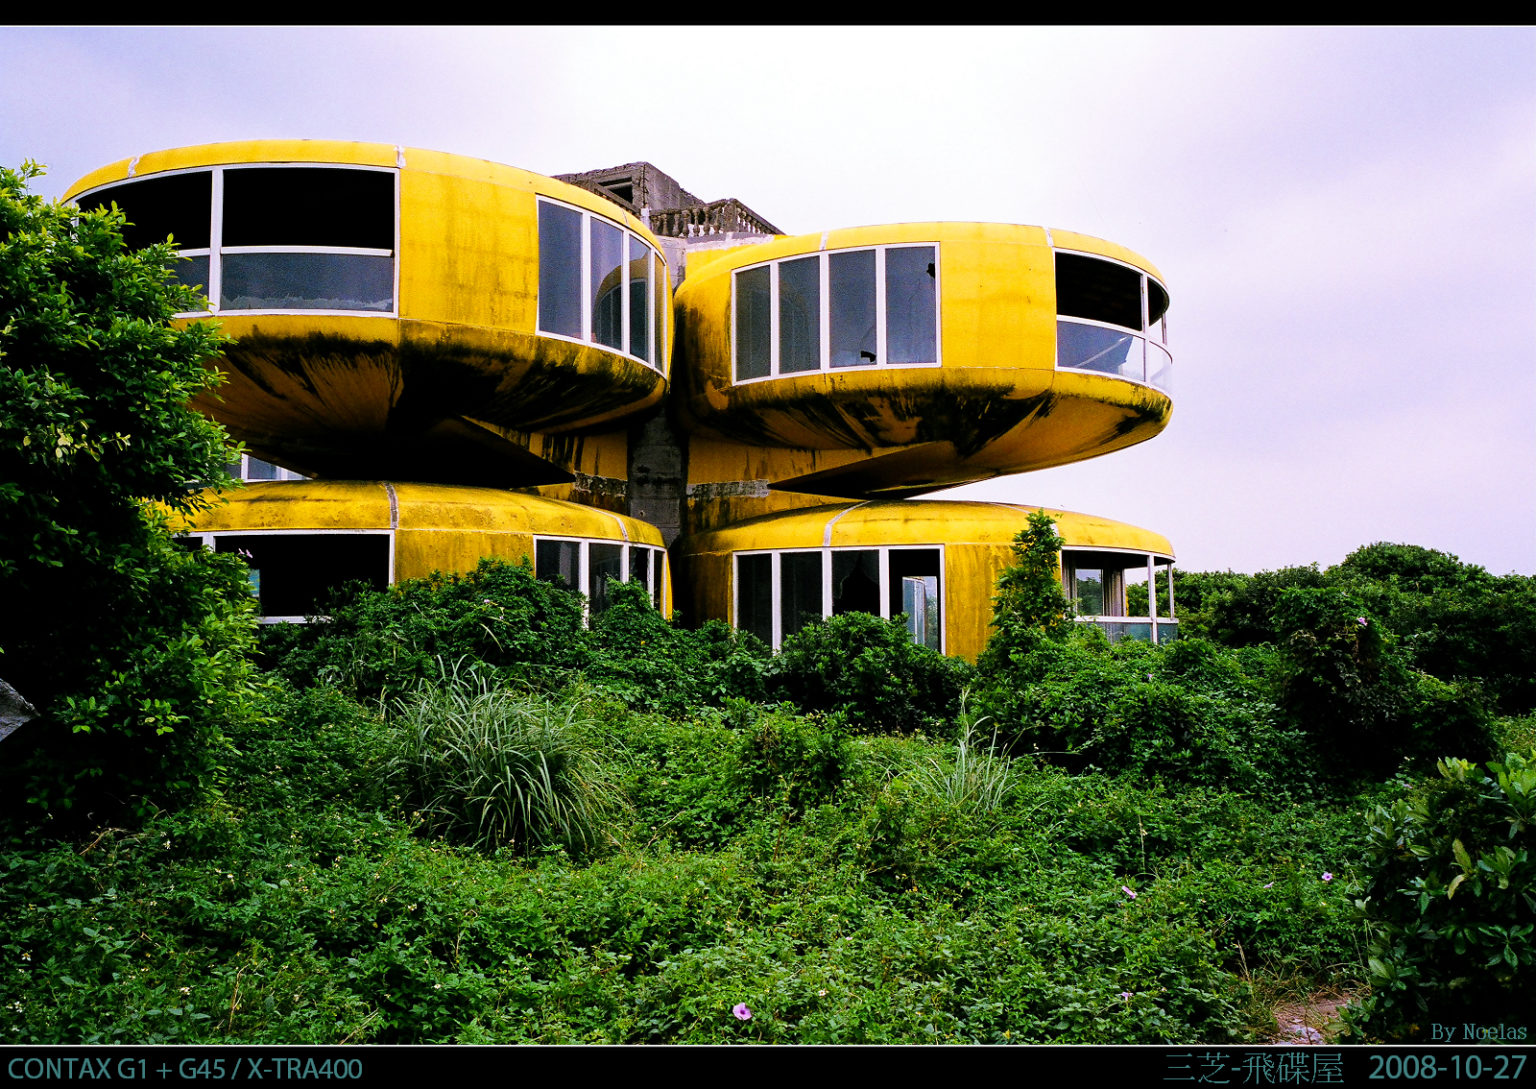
493 768
977 779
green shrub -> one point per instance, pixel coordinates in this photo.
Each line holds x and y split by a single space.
381 644
976 778
869 670
493 768
800 759
1449 888
661 667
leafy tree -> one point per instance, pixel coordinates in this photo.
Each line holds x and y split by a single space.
132 648
1030 603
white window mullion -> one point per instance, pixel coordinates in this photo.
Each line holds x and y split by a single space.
216 241
776 603
826 312
885 583
773 321
826 584
624 242
880 337
586 278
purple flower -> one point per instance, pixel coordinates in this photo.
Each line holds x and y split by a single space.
1270 885
1126 889
1126 995
742 1012
1327 876
1362 621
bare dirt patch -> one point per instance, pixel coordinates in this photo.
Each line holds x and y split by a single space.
1314 1020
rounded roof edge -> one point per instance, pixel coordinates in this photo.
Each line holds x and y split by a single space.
917 521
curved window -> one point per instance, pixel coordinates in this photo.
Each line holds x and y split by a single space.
1111 319
778 593
586 565
1126 594
600 283
837 309
271 238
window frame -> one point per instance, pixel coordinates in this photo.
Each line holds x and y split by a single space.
824 317
1150 337
658 273
1152 562
776 583
216 251
656 588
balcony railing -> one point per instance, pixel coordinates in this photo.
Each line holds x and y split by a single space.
1147 629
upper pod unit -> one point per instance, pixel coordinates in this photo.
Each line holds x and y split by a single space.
402 308
956 350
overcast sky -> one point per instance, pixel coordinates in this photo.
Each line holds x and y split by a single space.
1346 219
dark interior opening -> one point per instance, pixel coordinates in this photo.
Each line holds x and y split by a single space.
178 205
1098 290
296 573
309 206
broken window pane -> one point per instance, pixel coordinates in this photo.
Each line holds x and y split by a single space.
856 582
606 562
852 303
912 563
1094 348
910 294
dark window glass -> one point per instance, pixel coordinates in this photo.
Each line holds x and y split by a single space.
800 315
856 582
640 565
307 281
639 299
309 206
180 205
800 591
661 301
558 562
559 270
1157 302
910 285
754 595
607 284
753 328
295 574
911 563
606 562
193 272
851 285
1087 287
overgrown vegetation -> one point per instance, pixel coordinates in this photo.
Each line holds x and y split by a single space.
456 811
134 651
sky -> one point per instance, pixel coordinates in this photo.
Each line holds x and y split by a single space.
1345 218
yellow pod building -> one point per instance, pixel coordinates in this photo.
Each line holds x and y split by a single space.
595 370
